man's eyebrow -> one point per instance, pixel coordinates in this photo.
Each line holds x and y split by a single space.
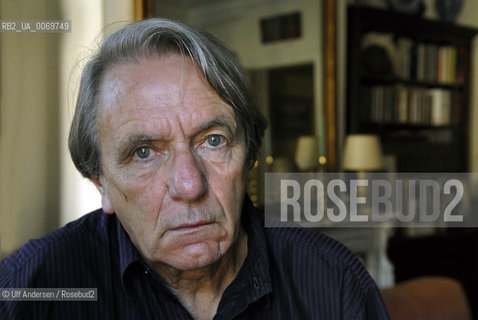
129 143
221 122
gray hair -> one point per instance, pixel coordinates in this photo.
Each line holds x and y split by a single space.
157 37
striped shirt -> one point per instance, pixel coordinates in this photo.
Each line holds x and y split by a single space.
289 273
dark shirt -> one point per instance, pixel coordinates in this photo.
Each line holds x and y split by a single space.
289 273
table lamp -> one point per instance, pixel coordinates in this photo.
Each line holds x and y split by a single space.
307 153
363 153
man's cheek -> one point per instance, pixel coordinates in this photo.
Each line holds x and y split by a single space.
138 186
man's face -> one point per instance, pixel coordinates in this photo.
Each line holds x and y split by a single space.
173 161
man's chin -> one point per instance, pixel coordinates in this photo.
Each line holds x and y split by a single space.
196 256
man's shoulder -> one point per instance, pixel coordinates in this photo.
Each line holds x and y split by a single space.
284 241
310 264
313 246
303 257
52 253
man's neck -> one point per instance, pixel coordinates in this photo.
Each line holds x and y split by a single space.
200 290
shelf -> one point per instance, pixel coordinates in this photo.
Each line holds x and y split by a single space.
394 104
387 21
377 127
373 81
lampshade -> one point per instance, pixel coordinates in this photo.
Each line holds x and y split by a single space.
306 153
363 152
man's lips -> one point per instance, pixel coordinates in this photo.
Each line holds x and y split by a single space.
191 226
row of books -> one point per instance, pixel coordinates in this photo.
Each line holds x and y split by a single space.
428 62
415 106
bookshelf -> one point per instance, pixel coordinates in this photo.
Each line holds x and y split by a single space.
408 80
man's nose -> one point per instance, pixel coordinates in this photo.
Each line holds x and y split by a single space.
187 178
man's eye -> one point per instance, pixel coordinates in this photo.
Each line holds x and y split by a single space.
143 152
214 140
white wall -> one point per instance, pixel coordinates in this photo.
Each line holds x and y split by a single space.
78 195
39 187
238 25
29 181
91 19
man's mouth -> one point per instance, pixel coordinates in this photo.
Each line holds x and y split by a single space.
191 225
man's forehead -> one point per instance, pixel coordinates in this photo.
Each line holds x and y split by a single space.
155 93
163 81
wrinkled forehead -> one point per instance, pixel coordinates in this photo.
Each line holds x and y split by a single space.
156 87
127 75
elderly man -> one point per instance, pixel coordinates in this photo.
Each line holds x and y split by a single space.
166 129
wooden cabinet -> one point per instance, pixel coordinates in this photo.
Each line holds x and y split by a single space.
408 80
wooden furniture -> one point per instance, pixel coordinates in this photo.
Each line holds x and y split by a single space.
452 254
427 298
408 80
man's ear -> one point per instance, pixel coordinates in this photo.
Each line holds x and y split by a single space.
99 182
